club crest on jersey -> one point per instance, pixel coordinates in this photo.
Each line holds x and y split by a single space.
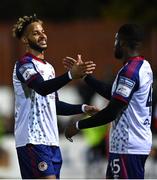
42 166
125 86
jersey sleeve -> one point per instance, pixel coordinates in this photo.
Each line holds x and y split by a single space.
26 72
127 82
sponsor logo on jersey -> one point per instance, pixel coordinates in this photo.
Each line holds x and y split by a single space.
28 73
125 86
27 70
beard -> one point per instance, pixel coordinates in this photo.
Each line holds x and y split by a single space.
118 52
36 47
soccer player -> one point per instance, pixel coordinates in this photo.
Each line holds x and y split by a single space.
37 103
129 108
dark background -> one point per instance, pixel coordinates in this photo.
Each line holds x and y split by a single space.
87 27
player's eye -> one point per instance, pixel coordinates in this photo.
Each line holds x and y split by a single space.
35 33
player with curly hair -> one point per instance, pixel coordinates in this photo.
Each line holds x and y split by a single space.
37 103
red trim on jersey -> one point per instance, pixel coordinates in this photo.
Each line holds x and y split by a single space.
120 98
35 57
131 69
136 58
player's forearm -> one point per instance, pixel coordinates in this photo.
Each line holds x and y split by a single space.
100 87
63 108
107 115
46 87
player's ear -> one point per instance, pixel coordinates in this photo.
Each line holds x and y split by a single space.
123 43
24 39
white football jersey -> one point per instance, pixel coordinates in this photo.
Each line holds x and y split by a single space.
130 133
35 115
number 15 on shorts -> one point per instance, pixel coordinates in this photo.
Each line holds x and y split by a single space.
115 167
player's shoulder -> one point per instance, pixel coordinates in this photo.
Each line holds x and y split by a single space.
24 63
147 65
24 60
132 68
146 73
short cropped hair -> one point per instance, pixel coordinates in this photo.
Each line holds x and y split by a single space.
131 33
20 26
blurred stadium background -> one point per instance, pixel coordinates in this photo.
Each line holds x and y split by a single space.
86 27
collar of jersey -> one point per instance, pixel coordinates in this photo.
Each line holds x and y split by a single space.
136 58
34 57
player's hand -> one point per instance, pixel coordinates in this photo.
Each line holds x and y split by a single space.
70 131
68 62
91 110
80 70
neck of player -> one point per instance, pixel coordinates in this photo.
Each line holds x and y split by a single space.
38 54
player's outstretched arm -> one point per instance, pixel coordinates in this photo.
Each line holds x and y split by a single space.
67 109
108 114
102 88
35 81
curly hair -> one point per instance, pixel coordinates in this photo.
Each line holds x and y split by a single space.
22 23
